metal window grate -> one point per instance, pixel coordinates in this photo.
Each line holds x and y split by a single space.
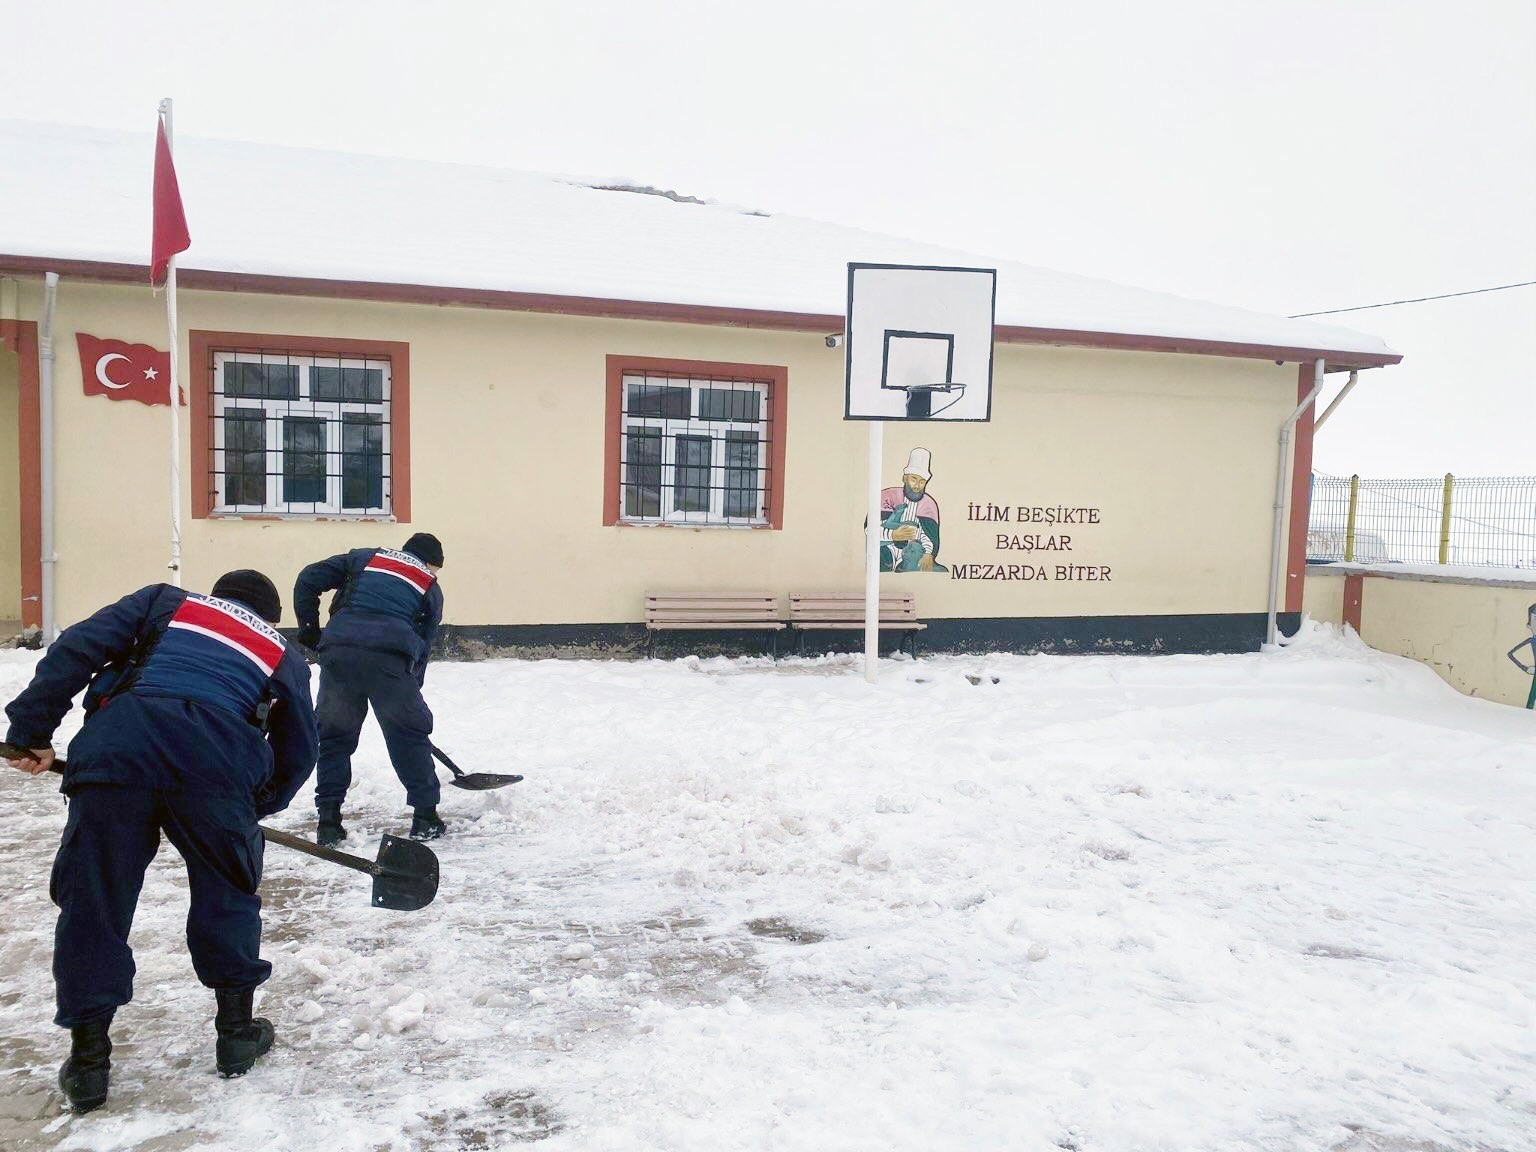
1487 521
695 450
299 433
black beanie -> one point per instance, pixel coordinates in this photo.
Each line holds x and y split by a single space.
426 548
253 590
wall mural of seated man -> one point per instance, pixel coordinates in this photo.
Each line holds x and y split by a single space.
909 520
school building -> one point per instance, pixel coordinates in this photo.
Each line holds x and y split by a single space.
590 391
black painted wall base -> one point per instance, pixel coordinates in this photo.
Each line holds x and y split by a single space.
1063 635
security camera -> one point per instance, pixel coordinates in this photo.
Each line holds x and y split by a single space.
835 340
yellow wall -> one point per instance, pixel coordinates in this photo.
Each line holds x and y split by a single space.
1323 599
10 497
1463 630
507 426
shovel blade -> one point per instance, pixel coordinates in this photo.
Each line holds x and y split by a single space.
483 781
407 875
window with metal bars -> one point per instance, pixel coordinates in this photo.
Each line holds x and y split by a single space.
298 433
694 450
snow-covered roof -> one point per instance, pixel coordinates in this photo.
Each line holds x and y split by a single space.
82 194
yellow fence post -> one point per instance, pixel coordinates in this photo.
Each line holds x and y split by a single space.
1445 522
1349 526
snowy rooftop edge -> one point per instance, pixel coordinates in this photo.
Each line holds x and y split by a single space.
83 194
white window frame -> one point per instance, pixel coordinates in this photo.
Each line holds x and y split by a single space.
695 425
332 412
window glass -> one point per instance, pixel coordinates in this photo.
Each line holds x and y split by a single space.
346 384
691 474
741 477
245 444
303 460
647 398
642 472
741 405
362 460
255 381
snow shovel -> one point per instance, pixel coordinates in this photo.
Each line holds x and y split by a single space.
474 781
404 875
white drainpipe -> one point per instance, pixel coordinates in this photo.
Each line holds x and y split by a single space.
1283 500
45 449
1354 378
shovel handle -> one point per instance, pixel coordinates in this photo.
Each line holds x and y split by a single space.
271 835
299 844
443 757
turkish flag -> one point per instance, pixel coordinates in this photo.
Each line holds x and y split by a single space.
123 371
170 233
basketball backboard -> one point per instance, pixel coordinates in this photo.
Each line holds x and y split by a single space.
918 342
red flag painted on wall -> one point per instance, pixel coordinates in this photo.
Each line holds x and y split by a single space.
170 233
124 371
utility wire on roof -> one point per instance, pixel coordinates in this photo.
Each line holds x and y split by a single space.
1415 300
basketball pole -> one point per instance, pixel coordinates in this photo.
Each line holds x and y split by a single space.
872 555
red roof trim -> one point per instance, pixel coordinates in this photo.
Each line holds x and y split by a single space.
196 278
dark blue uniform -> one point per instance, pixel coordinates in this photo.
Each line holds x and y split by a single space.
176 746
374 651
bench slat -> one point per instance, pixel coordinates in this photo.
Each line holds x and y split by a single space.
741 617
727 608
716 625
841 606
824 611
845 625
702 611
707 618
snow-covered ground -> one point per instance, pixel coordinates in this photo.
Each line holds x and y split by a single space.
1281 901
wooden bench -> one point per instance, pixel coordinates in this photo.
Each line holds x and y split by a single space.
712 612
844 611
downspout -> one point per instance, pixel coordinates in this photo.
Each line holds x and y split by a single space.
1354 378
1283 499
45 449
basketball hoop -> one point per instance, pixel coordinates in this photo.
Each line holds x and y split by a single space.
913 331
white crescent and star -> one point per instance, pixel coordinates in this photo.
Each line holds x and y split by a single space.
106 382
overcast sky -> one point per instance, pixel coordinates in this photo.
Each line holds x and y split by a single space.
1287 156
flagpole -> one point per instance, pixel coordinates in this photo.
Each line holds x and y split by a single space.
170 316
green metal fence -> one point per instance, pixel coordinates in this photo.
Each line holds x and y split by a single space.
1488 521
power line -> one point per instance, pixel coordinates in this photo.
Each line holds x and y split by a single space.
1415 300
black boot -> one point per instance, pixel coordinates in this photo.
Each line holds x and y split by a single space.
242 1040
328 831
426 824
83 1077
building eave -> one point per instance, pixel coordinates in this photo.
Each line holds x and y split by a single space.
661 311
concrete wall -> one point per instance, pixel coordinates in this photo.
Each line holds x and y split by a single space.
1462 627
1175 455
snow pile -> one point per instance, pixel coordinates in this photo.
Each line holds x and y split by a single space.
1247 902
